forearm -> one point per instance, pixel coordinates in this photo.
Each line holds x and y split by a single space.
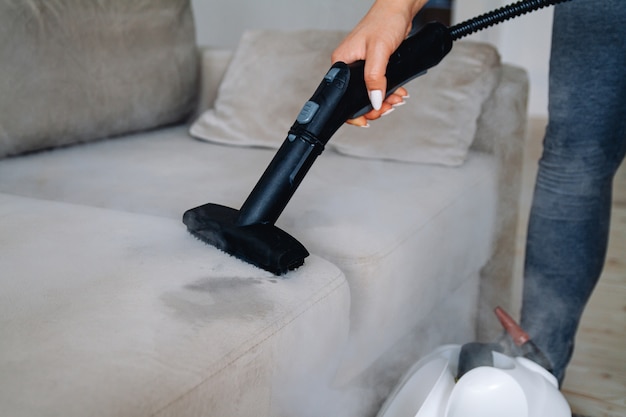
387 21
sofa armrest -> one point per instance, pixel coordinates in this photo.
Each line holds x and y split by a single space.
502 130
502 123
213 66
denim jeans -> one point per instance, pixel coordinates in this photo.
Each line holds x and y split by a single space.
584 145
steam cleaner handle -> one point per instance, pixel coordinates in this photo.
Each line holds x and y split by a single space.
341 95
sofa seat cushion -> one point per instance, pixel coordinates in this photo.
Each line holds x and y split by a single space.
111 313
406 235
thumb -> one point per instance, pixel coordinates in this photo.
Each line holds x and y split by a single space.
374 73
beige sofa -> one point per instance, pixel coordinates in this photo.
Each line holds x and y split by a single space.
109 307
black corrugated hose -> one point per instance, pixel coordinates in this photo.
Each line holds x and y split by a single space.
499 15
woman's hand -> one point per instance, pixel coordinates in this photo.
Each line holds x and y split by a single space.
388 105
374 39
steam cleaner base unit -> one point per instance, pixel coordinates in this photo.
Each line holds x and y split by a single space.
509 387
510 378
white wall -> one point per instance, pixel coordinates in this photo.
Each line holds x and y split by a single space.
221 23
524 41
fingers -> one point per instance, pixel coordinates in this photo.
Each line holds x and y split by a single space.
359 121
398 97
389 104
394 100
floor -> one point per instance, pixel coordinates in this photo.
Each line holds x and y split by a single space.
595 384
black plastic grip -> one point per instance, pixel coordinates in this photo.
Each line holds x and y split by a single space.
278 183
413 58
341 95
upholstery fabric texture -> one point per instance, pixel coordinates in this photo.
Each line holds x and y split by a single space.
398 231
73 71
273 73
144 320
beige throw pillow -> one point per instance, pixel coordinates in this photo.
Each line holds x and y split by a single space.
272 74
75 70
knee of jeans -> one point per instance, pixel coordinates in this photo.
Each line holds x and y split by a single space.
573 183
576 174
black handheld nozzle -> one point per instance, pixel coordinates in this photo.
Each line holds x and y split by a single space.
249 233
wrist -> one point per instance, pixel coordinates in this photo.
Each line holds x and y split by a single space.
411 7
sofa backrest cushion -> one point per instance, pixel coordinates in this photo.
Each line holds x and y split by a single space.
273 73
74 70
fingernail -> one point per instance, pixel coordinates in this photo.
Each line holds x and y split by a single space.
366 125
387 112
402 103
376 98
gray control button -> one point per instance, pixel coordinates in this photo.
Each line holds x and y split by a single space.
291 137
308 111
332 73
